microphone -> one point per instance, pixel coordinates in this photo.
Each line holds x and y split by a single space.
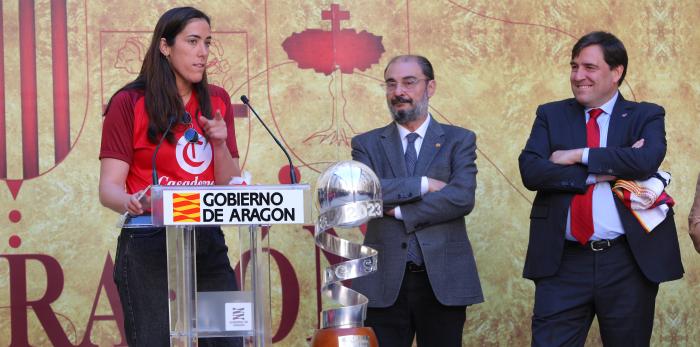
154 173
292 174
191 135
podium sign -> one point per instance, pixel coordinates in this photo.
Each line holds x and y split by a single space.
231 205
245 313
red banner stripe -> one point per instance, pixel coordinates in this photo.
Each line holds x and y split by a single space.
190 196
185 207
3 132
178 202
184 203
187 211
61 100
194 214
27 61
185 219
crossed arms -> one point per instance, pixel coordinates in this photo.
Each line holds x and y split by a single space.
448 197
546 166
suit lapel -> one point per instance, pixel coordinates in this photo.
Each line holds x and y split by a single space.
393 149
434 139
577 122
618 122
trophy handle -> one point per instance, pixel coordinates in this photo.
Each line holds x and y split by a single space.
342 337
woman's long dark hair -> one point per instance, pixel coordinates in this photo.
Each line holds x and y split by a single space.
157 78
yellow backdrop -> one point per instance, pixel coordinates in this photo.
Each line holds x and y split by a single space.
494 61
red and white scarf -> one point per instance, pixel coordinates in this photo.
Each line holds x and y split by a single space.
647 199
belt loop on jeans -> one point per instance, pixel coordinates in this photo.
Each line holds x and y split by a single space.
413 267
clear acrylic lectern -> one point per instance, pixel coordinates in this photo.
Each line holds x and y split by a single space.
245 313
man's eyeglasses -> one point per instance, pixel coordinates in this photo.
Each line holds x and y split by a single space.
407 84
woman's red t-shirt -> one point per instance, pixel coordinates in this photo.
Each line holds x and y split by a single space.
124 137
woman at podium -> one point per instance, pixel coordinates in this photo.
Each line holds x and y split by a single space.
167 127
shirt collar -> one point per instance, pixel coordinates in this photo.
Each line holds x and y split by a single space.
608 106
422 129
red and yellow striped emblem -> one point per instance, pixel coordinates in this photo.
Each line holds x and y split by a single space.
186 208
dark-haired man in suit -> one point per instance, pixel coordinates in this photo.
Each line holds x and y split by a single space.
427 274
587 254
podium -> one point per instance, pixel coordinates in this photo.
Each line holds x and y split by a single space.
245 313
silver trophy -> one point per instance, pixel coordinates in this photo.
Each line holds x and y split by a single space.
349 194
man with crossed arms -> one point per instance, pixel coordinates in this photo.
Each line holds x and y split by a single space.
427 274
587 254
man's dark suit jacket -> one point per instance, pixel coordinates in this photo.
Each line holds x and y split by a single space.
448 153
561 125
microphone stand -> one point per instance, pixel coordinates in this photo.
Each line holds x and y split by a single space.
292 174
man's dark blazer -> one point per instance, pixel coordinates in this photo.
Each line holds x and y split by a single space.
561 125
448 153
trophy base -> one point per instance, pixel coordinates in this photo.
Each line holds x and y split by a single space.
345 337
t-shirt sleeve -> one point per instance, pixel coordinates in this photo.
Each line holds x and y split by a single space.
118 128
225 99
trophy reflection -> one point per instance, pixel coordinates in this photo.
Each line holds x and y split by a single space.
348 196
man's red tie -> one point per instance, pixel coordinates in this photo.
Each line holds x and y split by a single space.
582 204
